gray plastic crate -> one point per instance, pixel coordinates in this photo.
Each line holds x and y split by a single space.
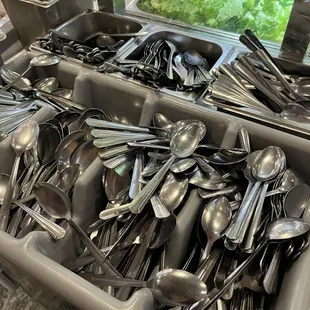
38 258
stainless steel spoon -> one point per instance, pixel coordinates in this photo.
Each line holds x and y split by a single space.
190 288
296 200
24 138
47 85
57 204
206 181
114 184
38 61
182 165
64 93
290 179
266 166
173 191
161 121
54 230
214 220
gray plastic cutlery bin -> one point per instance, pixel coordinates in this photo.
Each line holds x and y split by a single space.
35 260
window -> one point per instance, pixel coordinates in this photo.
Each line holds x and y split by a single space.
266 18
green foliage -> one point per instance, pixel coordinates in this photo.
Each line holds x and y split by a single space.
266 18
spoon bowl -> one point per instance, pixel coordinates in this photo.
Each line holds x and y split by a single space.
190 288
8 76
40 60
185 141
68 177
84 155
47 85
290 179
53 200
214 220
114 185
173 191
45 60
57 204
296 200
267 164
228 157
182 165
64 93
161 121
164 231
286 228
104 40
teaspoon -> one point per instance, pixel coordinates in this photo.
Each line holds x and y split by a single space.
57 204
23 139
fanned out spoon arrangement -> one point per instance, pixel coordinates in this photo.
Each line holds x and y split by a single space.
257 81
189 220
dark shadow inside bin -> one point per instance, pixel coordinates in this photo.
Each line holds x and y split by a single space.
87 23
64 72
209 50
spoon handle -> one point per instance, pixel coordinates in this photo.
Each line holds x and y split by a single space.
256 219
114 162
244 138
135 266
148 145
17 79
54 230
206 251
113 212
137 205
103 280
115 126
6 205
64 102
135 185
234 228
249 33
106 266
207 265
169 71
274 192
159 208
105 142
215 294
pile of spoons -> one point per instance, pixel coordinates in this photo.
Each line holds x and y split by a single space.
20 98
56 152
162 65
257 81
94 49
176 203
